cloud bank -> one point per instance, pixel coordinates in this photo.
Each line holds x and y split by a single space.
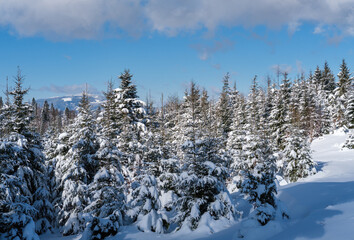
93 19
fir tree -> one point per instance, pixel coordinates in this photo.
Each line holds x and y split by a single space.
237 137
350 108
76 169
254 106
21 114
307 108
297 154
107 199
280 116
109 115
131 124
5 114
257 181
344 78
45 118
24 198
342 93
201 185
349 143
328 80
224 111
145 203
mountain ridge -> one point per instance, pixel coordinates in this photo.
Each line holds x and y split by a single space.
71 101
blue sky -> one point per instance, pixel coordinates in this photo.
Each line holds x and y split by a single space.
62 44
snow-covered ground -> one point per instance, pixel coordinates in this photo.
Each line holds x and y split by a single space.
320 206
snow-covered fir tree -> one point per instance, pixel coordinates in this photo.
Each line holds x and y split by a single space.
224 109
236 140
257 181
145 204
280 116
131 124
297 156
25 210
328 80
76 170
307 107
349 113
349 143
5 114
201 186
107 198
342 94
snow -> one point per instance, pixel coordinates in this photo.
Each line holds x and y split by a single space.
68 99
29 231
320 206
63 135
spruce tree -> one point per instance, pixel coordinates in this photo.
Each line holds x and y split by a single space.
307 108
349 143
254 106
76 170
342 93
236 139
257 180
201 185
145 204
224 110
280 116
297 156
344 79
25 210
328 80
45 118
107 198
131 125
350 109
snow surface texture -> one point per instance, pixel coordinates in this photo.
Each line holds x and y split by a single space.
320 206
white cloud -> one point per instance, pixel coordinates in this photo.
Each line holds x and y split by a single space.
70 19
318 29
92 19
206 50
179 15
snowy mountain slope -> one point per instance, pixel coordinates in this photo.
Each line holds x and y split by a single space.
71 102
320 206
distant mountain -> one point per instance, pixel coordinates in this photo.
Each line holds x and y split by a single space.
72 102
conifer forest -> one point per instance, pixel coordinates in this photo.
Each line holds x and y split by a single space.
166 166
